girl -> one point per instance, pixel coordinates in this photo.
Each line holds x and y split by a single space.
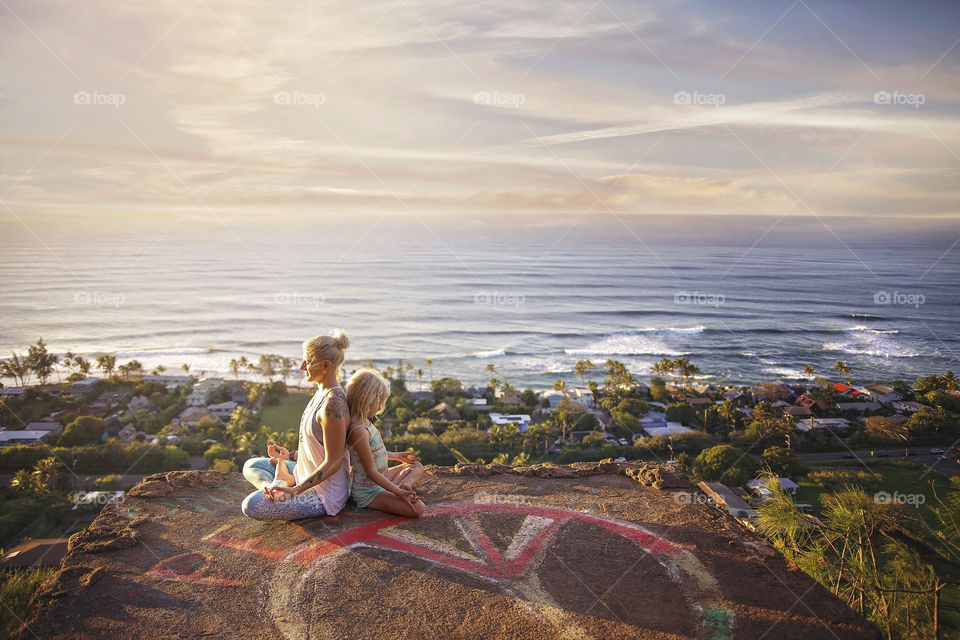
315 479
376 485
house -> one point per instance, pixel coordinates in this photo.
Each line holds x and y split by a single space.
522 420
444 412
728 499
128 433
236 392
223 410
847 390
670 429
424 395
798 412
169 381
737 397
81 387
108 399
704 389
881 393
786 484
907 406
139 403
859 407
823 423
41 552
202 390
8 438
191 416
654 419
810 403
477 404
14 392
554 398
582 396
52 427
509 397
699 402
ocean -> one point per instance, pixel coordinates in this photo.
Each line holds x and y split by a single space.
744 299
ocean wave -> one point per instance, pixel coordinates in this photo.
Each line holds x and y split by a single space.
628 343
681 330
861 316
787 372
490 354
160 352
868 330
869 342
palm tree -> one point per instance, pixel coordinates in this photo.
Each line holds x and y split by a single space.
581 369
234 367
16 368
428 363
242 363
186 368
809 370
842 368
560 386
107 363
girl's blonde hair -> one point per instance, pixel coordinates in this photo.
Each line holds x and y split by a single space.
329 347
367 394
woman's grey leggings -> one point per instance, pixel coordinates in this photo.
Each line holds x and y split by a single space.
260 473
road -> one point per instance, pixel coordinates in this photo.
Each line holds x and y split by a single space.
948 467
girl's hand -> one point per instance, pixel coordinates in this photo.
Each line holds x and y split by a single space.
407 456
276 451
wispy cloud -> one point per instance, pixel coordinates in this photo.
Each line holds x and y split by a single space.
357 107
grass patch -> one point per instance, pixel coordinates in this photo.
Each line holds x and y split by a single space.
17 587
285 416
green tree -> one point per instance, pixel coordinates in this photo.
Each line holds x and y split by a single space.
582 368
107 363
16 367
83 430
40 361
784 462
725 464
214 453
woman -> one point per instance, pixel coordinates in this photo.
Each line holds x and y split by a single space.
314 480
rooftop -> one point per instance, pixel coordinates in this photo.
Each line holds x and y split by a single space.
590 550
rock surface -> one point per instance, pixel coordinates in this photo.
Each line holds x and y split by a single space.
589 550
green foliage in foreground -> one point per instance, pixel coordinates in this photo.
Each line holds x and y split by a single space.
17 587
884 558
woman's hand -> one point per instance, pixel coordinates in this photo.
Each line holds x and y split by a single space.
280 493
276 451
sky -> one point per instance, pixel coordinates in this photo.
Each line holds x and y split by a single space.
776 108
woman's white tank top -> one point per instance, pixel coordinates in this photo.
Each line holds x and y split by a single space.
334 490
